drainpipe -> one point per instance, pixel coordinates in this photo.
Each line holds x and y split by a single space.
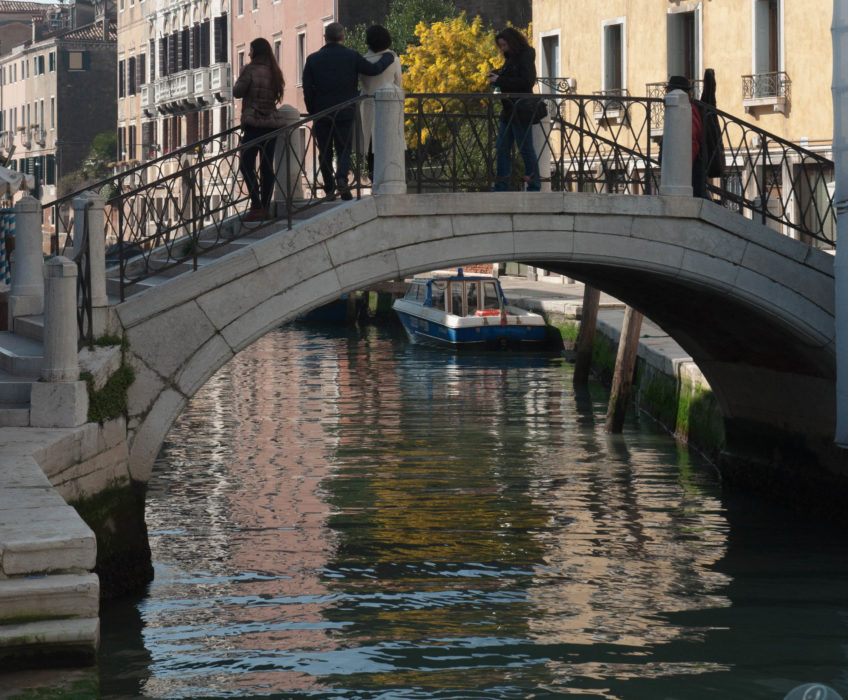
839 31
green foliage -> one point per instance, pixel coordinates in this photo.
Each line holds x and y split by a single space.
95 166
402 19
104 146
110 402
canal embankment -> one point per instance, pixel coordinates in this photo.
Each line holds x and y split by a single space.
668 385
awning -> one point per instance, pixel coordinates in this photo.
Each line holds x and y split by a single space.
11 181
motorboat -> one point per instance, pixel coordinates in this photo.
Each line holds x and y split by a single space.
459 311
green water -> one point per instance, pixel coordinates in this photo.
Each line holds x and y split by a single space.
341 515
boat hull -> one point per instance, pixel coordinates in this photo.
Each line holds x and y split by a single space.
486 332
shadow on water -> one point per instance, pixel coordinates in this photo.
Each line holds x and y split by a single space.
342 515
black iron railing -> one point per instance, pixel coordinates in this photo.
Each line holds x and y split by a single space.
84 297
171 211
766 85
451 142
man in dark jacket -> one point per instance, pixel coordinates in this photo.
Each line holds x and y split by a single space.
330 77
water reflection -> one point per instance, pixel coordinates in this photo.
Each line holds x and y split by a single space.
349 516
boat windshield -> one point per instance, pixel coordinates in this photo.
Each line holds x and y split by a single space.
417 292
471 294
456 298
491 298
437 295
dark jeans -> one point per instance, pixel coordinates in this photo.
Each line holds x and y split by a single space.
334 137
260 190
522 135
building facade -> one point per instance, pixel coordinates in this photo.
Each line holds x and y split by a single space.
174 81
57 94
772 58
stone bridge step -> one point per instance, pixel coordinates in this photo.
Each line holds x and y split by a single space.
75 637
19 356
31 327
40 598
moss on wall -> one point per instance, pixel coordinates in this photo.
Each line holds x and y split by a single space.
109 402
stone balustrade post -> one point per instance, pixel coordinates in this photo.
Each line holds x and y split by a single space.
288 159
389 142
60 400
677 145
542 145
90 206
26 297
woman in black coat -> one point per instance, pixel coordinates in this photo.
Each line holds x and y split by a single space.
518 74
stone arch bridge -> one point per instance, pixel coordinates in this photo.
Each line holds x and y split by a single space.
753 308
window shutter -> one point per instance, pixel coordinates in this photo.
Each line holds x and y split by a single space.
221 39
163 56
141 76
121 79
131 75
204 43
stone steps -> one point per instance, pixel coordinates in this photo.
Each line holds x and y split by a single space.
20 356
62 639
24 600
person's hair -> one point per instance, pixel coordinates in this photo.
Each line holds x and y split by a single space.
378 38
263 55
513 38
334 32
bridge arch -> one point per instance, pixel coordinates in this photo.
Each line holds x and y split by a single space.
752 307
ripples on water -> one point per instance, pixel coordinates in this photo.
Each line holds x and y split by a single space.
346 516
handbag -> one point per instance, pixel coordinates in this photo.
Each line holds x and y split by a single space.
530 110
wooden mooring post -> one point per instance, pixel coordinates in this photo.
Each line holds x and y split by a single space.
586 334
625 364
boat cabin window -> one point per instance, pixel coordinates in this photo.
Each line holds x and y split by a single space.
456 299
491 300
471 291
416 292
437 295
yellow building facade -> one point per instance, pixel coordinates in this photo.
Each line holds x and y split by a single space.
772 58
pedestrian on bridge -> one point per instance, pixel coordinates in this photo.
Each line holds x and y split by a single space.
517 75
331 78
260 87
699 175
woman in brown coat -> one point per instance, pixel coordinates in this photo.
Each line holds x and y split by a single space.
260 87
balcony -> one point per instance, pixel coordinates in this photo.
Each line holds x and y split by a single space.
607 108
26 140
564 86
144 97
219 77
7 140
766 90
38 135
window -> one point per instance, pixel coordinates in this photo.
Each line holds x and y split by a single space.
767 36
240 61
52 112
204 43
185 49
683 55
77 60
122 90
132 144
131 75
38 65
240 8
550 57
471 297
278 49
221 39
613 55
254 5
195 46
141 77
301 55
163 56
151 50
51 61
41 123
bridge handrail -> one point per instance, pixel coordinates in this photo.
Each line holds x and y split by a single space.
187 207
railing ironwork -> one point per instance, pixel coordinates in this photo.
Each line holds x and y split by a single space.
765 85
562 86
171 211
82 258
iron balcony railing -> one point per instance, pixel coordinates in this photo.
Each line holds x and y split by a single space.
562 86
172 210
766 85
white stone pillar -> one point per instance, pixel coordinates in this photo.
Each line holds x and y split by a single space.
839 32
389 142
677 145
542 144
61 400
26 298
288 159
90 206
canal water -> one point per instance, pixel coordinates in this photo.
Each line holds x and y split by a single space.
338 514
